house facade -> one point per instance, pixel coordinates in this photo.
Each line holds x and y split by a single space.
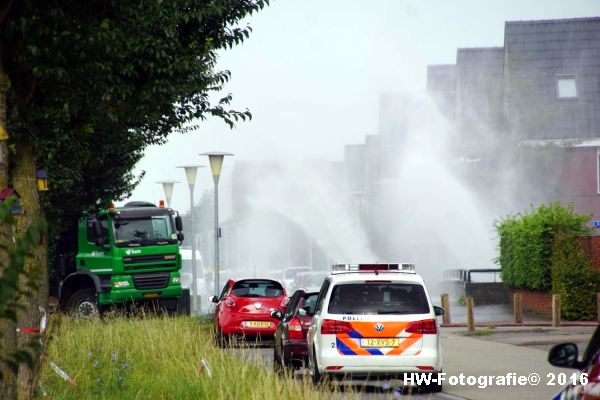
532 105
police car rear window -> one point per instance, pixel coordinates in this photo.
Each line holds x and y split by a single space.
378 298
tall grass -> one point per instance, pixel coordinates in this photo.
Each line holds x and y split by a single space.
157 358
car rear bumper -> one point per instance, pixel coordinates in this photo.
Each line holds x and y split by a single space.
381 365
295 350
234 324
348 374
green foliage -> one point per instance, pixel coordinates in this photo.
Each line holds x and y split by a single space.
93 83
574 279
12 272
526 242
159 358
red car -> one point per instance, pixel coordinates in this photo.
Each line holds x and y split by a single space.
244 308
290 347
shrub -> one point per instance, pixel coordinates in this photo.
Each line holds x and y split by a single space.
574 279
526 242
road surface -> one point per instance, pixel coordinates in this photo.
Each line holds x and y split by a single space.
469 356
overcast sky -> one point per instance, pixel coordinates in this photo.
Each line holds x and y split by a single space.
312 72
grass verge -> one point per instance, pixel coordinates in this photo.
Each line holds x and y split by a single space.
156 358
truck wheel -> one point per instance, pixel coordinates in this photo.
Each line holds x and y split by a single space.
83 303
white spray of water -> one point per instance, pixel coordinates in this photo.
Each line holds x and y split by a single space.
318 207
425 213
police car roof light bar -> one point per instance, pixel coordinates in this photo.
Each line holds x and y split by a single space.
399 267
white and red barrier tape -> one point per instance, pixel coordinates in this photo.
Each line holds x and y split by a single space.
62 373
43 323
203 366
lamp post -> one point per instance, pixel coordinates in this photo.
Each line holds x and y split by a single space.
168 189
216 162
190 173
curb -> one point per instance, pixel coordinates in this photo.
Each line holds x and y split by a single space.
524 324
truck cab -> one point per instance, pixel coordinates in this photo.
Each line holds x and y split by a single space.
126 254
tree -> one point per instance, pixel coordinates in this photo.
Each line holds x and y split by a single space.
90 84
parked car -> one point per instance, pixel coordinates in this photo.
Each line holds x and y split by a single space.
244 308
310 281
289 274
584 386
374 321
290 337
186 269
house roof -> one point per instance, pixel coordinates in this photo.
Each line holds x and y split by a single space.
553 21
7 192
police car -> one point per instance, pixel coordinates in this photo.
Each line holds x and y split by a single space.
374 321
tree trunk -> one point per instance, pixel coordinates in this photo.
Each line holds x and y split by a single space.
8 343
36 267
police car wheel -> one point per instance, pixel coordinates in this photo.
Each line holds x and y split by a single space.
433 387
316 376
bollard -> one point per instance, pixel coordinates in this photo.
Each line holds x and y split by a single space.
517 308
470 319
598 305
446 307
556 310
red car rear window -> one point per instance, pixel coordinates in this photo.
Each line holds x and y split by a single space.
257 288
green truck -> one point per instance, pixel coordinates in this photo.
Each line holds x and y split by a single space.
121 255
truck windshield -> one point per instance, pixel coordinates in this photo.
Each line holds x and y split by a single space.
147 230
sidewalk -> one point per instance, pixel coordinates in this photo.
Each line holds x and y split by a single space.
502 351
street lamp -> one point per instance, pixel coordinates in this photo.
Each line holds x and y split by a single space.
216 162
190 173
168 188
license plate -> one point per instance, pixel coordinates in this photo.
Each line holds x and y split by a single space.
151 294
258 324
379 342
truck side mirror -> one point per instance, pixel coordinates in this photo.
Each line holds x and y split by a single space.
178 224
180 236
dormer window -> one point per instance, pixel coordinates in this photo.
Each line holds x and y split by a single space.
566 87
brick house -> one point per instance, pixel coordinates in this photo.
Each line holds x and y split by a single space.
533 103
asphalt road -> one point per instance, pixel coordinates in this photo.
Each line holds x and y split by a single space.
371 391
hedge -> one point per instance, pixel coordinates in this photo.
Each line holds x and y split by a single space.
574 279
526 243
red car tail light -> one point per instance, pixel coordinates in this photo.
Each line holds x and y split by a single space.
333 327
295 329
284 303
426 326
229 301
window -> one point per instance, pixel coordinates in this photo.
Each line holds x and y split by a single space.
322 294
144 230
598 169
257 288
91 229
566 86
289 311
310 301
378 298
